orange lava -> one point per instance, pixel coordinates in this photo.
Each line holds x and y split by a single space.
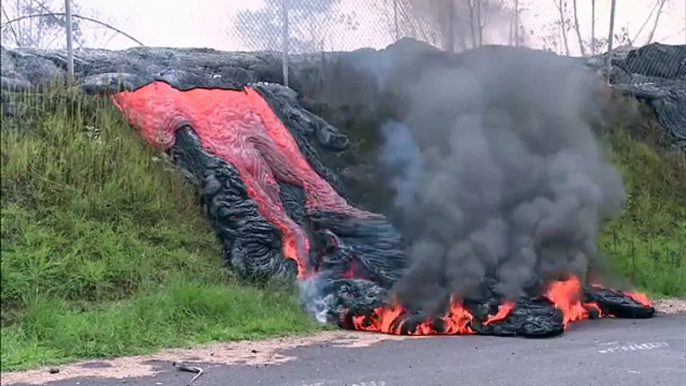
640 297
503 310
385 320
456 322
566 295
240 127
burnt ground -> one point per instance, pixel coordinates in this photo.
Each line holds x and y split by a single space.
607 352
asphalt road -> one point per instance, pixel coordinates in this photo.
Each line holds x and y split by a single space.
607 352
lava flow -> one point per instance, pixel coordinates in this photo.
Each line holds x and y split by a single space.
241 128
273 205
393 320
567 296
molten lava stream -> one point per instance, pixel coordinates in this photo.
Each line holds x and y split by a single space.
640 298
567 294
503 310
240 127
456 322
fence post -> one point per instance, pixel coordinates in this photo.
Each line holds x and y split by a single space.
516 17
395 19
451 26
593 42
70 37
610 39
284 42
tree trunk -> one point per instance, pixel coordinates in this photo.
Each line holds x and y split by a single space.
645 23
651 36
563 25
578 30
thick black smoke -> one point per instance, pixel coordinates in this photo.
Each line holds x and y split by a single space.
502 183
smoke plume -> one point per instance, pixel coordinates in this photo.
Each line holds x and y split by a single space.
501 183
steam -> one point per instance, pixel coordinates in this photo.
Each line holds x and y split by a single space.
402 154
500 181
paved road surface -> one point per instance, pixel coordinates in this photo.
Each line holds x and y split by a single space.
607 352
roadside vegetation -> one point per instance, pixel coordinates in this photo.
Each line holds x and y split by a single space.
646 244
106 252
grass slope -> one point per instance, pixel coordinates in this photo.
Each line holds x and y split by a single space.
105 250
646 243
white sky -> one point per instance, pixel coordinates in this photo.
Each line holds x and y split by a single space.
206 23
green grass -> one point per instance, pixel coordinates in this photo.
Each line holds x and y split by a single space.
105 250
183 312
647 242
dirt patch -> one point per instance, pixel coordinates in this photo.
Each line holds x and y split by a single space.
670 306
253 353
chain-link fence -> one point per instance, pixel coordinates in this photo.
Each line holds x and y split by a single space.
576 27
573 27
568 27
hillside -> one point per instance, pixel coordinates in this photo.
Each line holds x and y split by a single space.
106 250
646 242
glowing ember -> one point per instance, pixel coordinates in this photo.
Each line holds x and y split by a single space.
640 297
503 310
567 296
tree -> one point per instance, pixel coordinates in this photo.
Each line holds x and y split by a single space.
42 24
36 32
309 21
660 7
464 24
563 23
577 28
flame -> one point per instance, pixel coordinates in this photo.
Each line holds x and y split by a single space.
503 310
640 297
457 321
566 295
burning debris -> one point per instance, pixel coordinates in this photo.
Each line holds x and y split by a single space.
500 190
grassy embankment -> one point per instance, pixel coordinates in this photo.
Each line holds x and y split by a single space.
646 243
105 251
